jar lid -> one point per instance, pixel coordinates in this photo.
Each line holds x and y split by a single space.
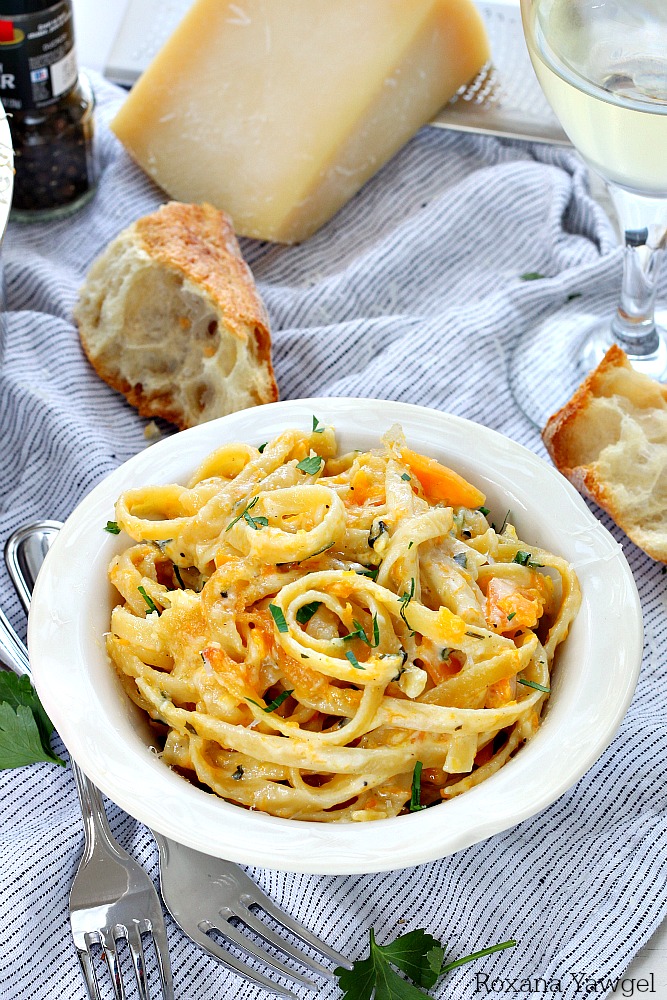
15 8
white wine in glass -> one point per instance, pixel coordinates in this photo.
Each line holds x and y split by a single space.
603 67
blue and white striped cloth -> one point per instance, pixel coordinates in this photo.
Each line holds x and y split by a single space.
413 293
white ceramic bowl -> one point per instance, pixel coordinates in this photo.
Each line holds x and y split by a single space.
596 672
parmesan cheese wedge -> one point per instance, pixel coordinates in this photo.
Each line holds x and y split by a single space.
277 111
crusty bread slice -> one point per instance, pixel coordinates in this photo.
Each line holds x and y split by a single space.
169 315
610 440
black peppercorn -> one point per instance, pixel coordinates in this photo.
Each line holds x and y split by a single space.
50 107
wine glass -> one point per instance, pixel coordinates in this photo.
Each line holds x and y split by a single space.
602 65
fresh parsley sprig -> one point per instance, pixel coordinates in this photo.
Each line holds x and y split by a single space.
25 728
417 954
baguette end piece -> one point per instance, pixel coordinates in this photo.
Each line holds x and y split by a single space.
610 441
170 317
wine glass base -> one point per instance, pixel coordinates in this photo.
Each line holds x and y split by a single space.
548 364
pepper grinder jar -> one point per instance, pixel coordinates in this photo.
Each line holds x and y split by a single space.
50 109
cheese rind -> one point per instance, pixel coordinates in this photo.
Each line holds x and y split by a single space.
277 111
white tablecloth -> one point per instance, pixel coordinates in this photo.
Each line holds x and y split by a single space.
412 292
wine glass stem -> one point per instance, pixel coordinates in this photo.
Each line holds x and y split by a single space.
644 223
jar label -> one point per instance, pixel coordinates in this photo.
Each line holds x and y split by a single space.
37 57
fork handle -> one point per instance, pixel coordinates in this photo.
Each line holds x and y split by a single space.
95 822
13 653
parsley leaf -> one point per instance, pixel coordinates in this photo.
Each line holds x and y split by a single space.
150 603
306 612
311 465
25 728
534 684
316 426
417 954
405 600
523 559
532 276
415 798
246 516
112 527
278 617
353 660
273 705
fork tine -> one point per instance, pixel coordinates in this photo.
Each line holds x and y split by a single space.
228 960
138 959
244 942
109 945
269 935
89 973
259 898
162 951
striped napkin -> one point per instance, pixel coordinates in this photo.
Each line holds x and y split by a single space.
413 292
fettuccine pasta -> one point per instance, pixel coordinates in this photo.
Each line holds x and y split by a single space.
333 637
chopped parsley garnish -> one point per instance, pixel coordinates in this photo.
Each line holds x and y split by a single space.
25 728
417 954
534 684
316 426
523 559
484 510
360 633
238 774
415 797
405 600
461 560
311 465
371 572
276 703
532 276
177 574
260 450
504 524
376 632
278 617
406 477
318 553
254 522
410 544
353 660
511 615
446 653
306 612
112 527
152 606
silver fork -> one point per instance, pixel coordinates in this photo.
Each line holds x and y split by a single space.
204 895
111 897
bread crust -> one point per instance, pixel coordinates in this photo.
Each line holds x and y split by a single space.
610 441
208 329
